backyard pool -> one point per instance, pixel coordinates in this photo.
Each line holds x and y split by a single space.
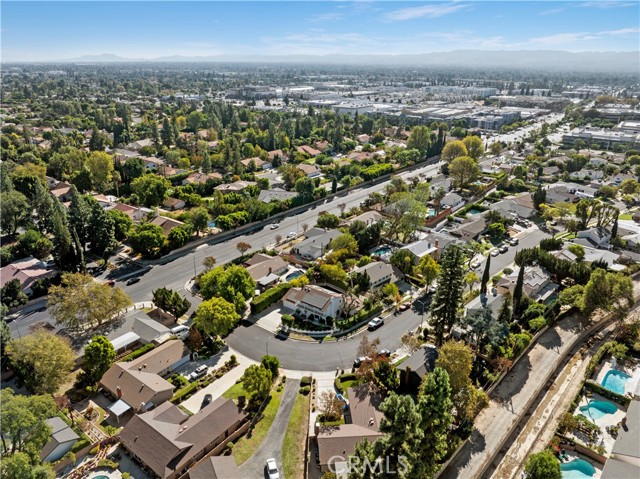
615 381
577 469
474 211
294 275
381 251
597 409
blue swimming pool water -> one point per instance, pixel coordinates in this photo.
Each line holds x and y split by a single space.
577 469
474 211
597 409
615 380
294 275
381 250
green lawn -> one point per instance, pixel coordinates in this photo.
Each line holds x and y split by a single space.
246 445
234 392
625 217
294 440
348 384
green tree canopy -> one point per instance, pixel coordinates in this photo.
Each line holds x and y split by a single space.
216 316
543 465
99 355
150 190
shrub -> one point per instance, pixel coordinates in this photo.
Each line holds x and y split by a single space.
108 463
270 296
81 444
305 390
138 352
537 323
305 381
375 171
597 388
95 450
126 475
185 392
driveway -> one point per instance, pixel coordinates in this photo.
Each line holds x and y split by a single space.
272 444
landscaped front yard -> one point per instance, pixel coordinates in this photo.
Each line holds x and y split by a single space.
293 446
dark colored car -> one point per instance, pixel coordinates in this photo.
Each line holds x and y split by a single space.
206 400
134 280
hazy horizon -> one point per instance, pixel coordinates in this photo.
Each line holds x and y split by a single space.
57 31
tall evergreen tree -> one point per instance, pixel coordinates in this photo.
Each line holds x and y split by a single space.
102 240
364 462
517 291
504 315
167 133
448 296
64 247
485 276
401 426
539 196
80 216
434 406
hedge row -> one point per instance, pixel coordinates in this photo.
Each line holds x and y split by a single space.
344 377
375 171
138 352
270 296
597 388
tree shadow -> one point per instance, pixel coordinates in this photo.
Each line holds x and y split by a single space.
513 383
475 446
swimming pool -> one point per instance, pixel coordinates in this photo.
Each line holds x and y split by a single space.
598 409
474 211
294 275
381 251
577 469
615 381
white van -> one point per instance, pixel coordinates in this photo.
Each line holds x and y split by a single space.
182 332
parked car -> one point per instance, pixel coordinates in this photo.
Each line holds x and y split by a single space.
475 264
503 249
291 235
495 252
110 282
206 401
359 361
384 352
134 280
275 226
404 306
375 323
182 331
514 241
198 373
272 469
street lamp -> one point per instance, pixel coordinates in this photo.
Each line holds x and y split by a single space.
422 303
266 344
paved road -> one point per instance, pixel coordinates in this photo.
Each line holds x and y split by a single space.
272 444
177 272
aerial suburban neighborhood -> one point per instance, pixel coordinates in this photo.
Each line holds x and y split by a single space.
352 268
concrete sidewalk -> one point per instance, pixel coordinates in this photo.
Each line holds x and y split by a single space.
219 386
511 399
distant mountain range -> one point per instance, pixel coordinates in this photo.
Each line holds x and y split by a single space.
521 59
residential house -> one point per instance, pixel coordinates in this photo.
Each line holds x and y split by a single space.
62 191
380 273
26 270
276 155
266 270
364 138
422 248
167 224
550 171
257 163
313 301
151 162
60 442
168 441
453 201
276 194
121 155
107 202
139 144
491 300
521 206
235 187
173 204
312 152
316 243
136 213
368 218
417 366
597 237
440 241
216 467
536 283
587 173
312 171
139 383
470 230
322 145
624 460
337 443
198 178
591 255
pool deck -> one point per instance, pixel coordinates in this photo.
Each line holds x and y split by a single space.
630 367
574 455
604 421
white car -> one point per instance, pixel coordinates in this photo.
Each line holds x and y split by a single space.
199 372
495 252
275 226
272 469
375 323
291 235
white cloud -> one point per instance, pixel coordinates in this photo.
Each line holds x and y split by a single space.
552 11
429 11
575 37
327 17
606 4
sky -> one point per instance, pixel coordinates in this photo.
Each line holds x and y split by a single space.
52 30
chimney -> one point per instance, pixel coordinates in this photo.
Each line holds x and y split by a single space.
436 243
119 392
270 270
